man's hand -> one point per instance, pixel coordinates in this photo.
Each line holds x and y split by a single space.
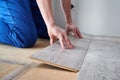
70 27
55 32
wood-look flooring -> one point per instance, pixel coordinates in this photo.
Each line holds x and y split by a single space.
65 58
96 58
102 61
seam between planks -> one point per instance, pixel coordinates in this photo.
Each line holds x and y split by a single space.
86 53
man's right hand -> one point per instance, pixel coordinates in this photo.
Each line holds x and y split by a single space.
55 32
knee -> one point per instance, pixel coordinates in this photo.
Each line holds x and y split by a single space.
18 36
25 42
19 28
23 38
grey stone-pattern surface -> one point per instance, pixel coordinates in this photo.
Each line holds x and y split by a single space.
102 61
70 59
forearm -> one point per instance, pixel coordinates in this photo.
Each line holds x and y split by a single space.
66 5
45 7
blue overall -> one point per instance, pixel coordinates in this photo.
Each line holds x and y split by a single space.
21 23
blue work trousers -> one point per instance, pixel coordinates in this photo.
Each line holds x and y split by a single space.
21 23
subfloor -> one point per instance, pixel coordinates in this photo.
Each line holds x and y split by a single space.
17 64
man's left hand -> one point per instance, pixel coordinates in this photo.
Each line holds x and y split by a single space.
70 27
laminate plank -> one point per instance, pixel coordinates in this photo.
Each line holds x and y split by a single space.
70 59
22 69
6 68
102 61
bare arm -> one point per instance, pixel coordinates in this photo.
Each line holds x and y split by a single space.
46 11
66 5
54 31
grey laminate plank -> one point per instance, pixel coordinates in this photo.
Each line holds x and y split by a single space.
111 38
102 61
18 72
65 58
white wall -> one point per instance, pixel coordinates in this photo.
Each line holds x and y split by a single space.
97 17
58 13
